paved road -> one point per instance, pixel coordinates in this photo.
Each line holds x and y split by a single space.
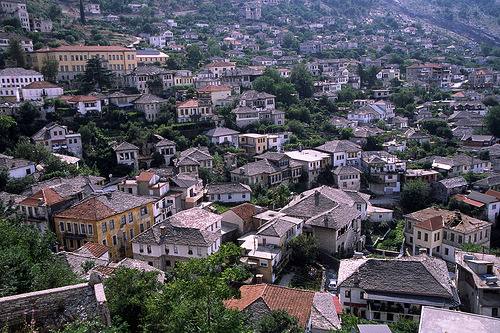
286 279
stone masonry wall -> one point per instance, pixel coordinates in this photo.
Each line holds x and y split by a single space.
52 308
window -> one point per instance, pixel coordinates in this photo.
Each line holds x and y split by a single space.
167 249
190 250
445 235
390 317
419 235
494 312
141 248
130 217
83 228
361 294
111 224
104 242
124 221
149 248
460 239
426 237
75 228
144 210
168 263
176 249
198 250
124 237
141 227
452 237
446 251
376 315
68 227
348 293
114 240
61 226
131 233
263 263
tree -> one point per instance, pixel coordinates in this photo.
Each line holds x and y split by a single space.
281 195
16 52
54 12
415 196
304 249
7 134
279 321
50 69
95 75
302 80
193 56
82 13
492 120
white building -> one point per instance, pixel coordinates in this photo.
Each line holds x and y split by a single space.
16 9
17 168
55 137
162 40
127 153
84 104
26 43
228 192
312 161
14 79
192 233
39 90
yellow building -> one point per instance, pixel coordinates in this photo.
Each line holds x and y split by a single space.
73 59
111 218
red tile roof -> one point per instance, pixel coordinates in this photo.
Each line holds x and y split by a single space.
463 197
212 88
191 103
247 210
82 48
296 302
220 64
48 196
432 224
494 194
97 250
83 98
338 307
40 85
145 176
90 210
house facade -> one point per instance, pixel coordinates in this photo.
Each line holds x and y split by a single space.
55 137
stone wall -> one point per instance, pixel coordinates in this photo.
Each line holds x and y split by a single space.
52 308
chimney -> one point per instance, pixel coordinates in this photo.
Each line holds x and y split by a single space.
358 255
422 250
458 214
258 278
316 198
162 230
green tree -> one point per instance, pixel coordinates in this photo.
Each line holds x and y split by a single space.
279 321
127 291
16 52
193 56
7 131
304 249
492 120
302 80
95 75
50 69
415 196
54 12
281 195
82 13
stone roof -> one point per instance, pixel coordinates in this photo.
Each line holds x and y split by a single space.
339 146
220 131
45 197
243 110
321 200
323 314
454 221
10 163
187 227
255 95
100 206
165 143
297 302
278 226
256 168
417 275
16 71
271 156
223 188
336 218
185 161
44 133
9 198
454 182
125 146
346 170
149 99
64 186
185 180
438 320
41 85
212 88
483 198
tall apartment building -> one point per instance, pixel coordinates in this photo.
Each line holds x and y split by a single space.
14 79
430 73
73 59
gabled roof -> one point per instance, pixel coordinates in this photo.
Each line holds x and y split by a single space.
254 95
190 103
346 170
148 99
10 163
278 226
339 146
17 71
256 168
220 131
41 85
483 198
247 210
97 250
212 88
125 146
454 182
83 98
336 218
165 143
184 180
45 197
44 133
145 176
197 154
223 188
101 206
417 275
297 302
434 223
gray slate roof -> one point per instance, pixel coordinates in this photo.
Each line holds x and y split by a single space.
346 170
9 162
454 182
18 72
417 275
278 226
223 188
323 314
337 218
257 168
255 95
220 131
339 146
486 199
149 99
185 180
125 146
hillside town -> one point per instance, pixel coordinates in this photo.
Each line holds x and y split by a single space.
247 166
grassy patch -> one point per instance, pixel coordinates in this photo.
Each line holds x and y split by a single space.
222 207
307 278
